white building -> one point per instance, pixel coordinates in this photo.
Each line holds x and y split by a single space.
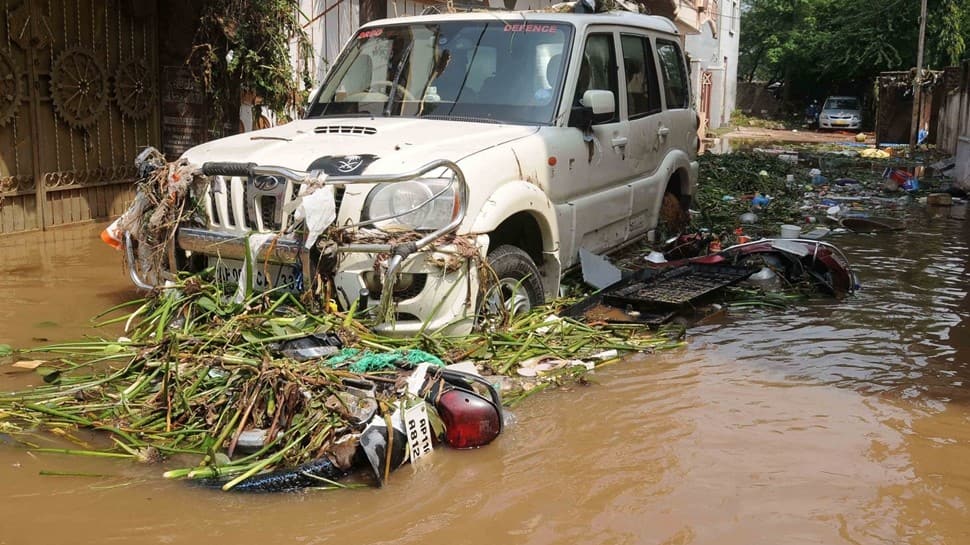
714 62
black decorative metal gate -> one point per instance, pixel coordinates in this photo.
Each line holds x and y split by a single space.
78 99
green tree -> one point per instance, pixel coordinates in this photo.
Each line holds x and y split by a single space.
246 45
818 45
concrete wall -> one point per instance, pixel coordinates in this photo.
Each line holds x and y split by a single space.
754 98
730 35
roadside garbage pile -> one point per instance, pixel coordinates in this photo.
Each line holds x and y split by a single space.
269 394
756 238
807 193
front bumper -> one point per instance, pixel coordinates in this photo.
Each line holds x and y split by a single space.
445 302
839 124
438 308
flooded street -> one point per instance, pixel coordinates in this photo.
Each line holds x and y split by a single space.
824 423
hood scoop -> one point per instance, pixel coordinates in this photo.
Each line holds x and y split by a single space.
345 129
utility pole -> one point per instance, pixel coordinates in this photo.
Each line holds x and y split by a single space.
918 80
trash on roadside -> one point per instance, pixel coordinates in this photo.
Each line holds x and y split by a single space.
939 199
816 234
676 286
315 346
765 279
872 224
943 167
653 296
874 153
817 178
790 231
902 179
598 271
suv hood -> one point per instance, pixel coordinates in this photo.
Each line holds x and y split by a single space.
398 143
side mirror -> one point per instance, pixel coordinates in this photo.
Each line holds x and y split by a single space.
596 106
600 101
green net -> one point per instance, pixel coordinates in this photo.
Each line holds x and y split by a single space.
365 361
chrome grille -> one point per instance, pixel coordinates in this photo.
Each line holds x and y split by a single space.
237 204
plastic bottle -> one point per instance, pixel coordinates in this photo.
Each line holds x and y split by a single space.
742 238
715 246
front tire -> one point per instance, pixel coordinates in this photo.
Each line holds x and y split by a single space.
515 287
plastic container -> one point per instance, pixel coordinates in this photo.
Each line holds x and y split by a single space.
790 231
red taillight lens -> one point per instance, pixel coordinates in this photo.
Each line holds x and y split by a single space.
470 420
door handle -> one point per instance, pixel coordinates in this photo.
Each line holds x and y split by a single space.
662 132
619 141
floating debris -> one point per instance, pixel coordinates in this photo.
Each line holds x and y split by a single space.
203 379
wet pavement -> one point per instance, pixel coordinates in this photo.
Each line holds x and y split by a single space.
824 423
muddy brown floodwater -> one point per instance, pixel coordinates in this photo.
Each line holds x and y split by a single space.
826 423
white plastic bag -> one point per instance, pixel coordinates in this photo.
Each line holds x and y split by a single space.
318 208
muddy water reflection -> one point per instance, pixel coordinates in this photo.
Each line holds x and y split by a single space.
827 423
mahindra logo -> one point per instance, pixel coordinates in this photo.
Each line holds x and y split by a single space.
346 165
349 164
266 183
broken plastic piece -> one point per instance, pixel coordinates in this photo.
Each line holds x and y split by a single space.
598 272
251 440
318 345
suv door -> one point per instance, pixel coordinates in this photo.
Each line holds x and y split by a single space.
644 109
677 122
597 201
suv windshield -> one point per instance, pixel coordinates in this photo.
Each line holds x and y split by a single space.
492 71
841 104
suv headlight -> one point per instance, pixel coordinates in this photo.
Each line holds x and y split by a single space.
424 204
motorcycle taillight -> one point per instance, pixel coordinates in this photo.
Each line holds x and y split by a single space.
470 420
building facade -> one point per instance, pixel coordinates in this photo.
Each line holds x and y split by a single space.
713 54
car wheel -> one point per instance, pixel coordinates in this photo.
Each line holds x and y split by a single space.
515 287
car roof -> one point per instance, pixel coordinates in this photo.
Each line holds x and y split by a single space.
840 97
580 20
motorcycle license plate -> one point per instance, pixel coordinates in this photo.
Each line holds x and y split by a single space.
265 275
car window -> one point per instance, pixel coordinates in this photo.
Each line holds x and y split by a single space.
675 77
598 70
642 90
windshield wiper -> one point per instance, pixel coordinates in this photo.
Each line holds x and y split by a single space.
354 114
397 79
468 70
463 118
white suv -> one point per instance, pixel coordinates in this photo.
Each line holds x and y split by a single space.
517 136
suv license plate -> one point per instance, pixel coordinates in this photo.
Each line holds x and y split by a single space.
265 275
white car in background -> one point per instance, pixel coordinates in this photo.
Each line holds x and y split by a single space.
529 135
840 113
